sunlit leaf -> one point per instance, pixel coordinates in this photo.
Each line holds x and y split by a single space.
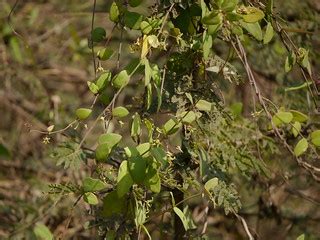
92 185
120 112
124 180
90 198
83 113
301 147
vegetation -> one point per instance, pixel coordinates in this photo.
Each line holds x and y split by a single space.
160 120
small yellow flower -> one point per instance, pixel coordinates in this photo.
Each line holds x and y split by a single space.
46 140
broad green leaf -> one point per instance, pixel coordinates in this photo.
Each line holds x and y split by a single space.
143 149
136 126
42 232
83 113
299 116
269 34
160 155
207 45
301 147
92 185
146 27
103 80
124 180
111 139
182 218
152 179
252 15
188 117
93 87
105 53
282 117
290 61
296 128
121 79
135 3
204 105
132 19
113 204
315 138
137 167
120 112
212 18
211 184
254 29
171 126
114 12
229 5
102 152
98 34
90 198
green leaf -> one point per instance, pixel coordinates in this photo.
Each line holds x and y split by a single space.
124 179
93 87
83 113
211 184
111 139
135 3
188 117
315 138
182 218
137 167
92 185
105 53
90 198
212 18
102 152
282 117
305 59
301 237
103 80
296 128
153 41
120 112
229 5
252 15
146 27
136 126
254 29
132 19
171 126
42 232
269 34
207 45
98 34
299 116
160 155
113 204
147 72
143 149
114 13
290 61
121 79
152 179
301 147
204 105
